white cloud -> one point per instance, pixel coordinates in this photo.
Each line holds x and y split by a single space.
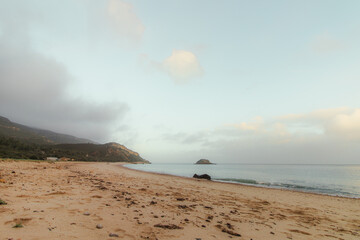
346 125
125 21
337 124
341 122
182 66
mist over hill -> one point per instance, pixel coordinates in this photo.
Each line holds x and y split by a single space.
20 141
36 135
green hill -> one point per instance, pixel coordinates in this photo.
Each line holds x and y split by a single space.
109 152
22 142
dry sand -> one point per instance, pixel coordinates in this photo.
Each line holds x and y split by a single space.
68 201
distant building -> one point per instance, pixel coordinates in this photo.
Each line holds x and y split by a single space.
52 159
64 159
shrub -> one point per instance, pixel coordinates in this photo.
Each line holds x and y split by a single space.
18 225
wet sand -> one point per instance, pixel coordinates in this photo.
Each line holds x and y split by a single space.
107 201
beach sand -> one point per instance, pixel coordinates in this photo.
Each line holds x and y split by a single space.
67 200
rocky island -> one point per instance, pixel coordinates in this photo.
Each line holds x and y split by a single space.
203 161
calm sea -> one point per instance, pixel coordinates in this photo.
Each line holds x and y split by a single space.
340 180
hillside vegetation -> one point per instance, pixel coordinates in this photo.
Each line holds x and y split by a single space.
22 142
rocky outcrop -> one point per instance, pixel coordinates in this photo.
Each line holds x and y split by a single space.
114 147
203 161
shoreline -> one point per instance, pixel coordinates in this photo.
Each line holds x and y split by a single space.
242 184
82 200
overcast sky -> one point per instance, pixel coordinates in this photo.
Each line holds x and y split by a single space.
232 81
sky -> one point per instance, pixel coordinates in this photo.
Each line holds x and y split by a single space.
231 81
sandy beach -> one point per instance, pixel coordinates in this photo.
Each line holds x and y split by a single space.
67 200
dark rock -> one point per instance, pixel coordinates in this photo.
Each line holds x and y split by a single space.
203 176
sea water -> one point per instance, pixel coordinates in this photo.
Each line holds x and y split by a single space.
337 180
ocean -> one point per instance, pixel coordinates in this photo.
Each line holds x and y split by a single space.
336 180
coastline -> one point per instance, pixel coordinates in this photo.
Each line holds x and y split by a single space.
242 184
51 199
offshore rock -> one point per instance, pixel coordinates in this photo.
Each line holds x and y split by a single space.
203 161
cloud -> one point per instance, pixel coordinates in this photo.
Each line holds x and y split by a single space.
182 66
198 137
345 125
125 134
325 43
321 136
252 126
336 123
341 123
125 21
34 88
317 115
